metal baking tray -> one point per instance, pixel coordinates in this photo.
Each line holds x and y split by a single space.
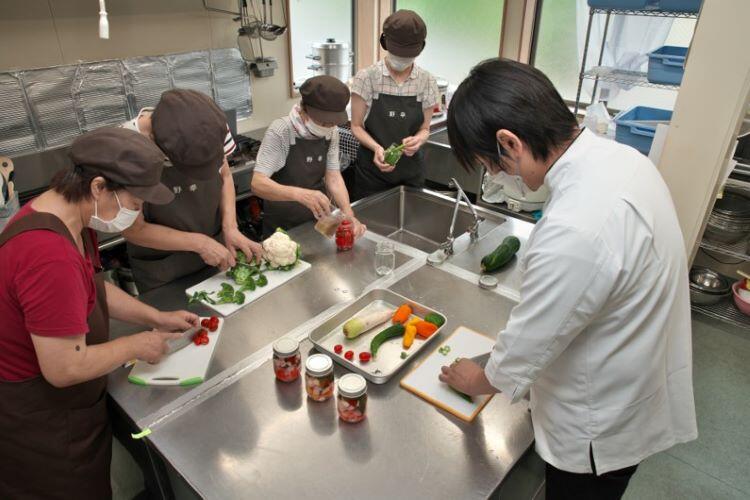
381 369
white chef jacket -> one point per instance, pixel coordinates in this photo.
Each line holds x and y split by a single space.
602 333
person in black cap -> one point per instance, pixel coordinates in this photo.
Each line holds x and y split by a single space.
199 227
55 351
392 103
297 171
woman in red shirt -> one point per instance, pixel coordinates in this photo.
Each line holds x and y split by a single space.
55 351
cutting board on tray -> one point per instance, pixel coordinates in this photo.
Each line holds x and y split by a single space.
275 280
185 367
423 380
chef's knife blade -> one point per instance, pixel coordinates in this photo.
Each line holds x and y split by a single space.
181 342
481 360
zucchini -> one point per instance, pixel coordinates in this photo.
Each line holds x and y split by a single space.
392 331
501 255
435 319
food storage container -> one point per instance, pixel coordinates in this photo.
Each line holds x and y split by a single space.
319 377
286 359
352 398
345 236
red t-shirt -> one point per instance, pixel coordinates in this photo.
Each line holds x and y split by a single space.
46 287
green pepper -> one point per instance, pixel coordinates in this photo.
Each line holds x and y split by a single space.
393 154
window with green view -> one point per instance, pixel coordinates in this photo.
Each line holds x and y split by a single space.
459 34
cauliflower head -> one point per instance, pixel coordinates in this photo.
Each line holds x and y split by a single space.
280 250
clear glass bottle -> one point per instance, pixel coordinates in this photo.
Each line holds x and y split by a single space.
286 359
385 258
351 400
319 377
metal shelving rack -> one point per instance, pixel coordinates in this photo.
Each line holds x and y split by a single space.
612 75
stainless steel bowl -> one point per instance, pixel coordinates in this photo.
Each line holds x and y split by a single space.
707 286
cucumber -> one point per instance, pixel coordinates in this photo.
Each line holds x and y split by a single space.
435 319
392 331
501 255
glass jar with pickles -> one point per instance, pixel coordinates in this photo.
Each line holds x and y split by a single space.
319 377
351 400
286 359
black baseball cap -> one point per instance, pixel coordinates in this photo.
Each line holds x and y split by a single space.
125 157
404 33
325 99
190 128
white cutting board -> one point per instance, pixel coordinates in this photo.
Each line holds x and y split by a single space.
275 279
185 367
423 380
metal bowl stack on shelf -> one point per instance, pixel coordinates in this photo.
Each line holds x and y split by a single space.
707 287
729 221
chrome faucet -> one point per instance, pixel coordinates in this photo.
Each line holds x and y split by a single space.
447 246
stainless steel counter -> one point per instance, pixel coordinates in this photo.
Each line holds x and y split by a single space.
244 435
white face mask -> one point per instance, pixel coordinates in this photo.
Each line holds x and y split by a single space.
131 125
516 178
400 63
319 130
124 219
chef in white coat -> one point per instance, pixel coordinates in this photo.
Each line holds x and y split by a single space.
601 338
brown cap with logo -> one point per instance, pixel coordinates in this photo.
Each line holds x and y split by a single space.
404 33
325 99
125 157
190 128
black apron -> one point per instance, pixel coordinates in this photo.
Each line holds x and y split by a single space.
196 208
305 167
390 120
57 443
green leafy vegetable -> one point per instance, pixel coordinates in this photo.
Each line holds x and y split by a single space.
404 355
393 154
201 296
444 350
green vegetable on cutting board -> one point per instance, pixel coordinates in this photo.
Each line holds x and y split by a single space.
393 154
392 331
501 255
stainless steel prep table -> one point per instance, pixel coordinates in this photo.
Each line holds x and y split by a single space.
253 437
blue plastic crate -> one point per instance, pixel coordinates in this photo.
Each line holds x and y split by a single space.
619 4
632 130
667 65
680 5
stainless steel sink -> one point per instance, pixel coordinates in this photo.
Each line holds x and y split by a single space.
419 217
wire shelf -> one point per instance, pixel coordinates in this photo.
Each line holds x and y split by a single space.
724 311
739 250
604 74
649 13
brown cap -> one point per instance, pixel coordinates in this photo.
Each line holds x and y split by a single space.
125 157
404 33
325 99
190 128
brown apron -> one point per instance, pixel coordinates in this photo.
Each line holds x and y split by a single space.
56 443
196 208
305 167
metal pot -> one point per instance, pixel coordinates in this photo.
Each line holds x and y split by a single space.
331 58
707 286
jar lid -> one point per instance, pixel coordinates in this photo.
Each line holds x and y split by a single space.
352 385
487 282
285 346
319 364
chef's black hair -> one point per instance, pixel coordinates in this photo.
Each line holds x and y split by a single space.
504 94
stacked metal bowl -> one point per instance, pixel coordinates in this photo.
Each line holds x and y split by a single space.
729 221
707 287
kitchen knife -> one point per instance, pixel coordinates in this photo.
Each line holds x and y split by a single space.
182 341
481 360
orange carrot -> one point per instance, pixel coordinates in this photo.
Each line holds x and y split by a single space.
402 314
425 329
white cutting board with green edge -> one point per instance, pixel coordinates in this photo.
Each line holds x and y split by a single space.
275 280
185 367
423 380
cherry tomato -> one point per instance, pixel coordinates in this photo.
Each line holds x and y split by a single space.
338 348
364 357
349 355
204 340
205 322
213 323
